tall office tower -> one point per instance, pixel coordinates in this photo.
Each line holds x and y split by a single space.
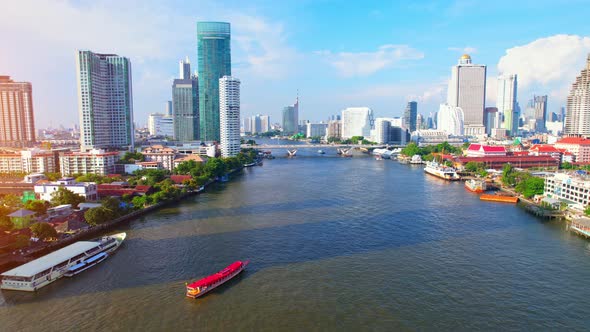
577 120
561 115
105 101
213 47
17 125
540 104
184 69
264 123
490 118
247 125
430 121
168 110
506 103
255 124
229 115
420 123
467 90
410 115
291 119
357 121
185 99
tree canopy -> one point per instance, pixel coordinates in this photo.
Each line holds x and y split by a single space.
65 196
43 230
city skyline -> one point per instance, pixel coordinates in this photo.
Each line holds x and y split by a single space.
384 72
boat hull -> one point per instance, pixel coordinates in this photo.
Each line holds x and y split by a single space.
221 282
441 175
498 198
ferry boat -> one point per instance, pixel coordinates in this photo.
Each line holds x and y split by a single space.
476 185
207 284
47 269
86 264
441 171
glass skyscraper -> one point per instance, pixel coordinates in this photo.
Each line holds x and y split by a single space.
185 98
214 54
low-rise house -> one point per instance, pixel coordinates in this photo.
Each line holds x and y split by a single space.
118 189
579 147
180 179
45 189
60 211
479 150
22 218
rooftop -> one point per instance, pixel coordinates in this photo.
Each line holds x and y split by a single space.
48 261
573 140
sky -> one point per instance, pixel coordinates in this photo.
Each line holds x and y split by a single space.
333 54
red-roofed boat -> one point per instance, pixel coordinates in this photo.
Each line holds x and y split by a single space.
207 284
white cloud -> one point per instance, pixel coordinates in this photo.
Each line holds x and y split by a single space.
466 49
554 60
349 64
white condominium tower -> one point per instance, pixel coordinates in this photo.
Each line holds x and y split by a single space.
105 101
467 90
577 119
229 115
357 121
506 103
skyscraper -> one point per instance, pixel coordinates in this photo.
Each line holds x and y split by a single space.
577 120
467 90
185 100
450 119
506 103
105 101
291 119
17 125
213 44
410 115
229 115
540 104
184 69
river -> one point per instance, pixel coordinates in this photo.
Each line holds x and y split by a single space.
335 244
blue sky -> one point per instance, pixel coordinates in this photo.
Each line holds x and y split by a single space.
379 54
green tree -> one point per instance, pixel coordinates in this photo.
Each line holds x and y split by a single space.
65 196
530 186
185 167
131 158
215 167
37 206
508 176
139 202
53 176
43 230
12 202
21 241
96 216
410 150
5 223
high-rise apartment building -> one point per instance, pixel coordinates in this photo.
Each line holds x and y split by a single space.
291 119
229 115
17 125
105 101
506 103
410 115
357 121
450 120
577 120
540 105
467 90
213 47
185 100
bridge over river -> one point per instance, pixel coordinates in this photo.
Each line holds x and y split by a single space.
318 146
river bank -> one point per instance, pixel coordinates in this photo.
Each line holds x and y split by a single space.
12 260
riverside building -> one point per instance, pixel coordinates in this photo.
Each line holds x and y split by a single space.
357 121
467 91
569 187
229 115
214 62
17 125
105 101
577 120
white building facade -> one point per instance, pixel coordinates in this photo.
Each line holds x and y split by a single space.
94 161
357 121
573 188
88 190
577 120
450 120
161 125
229 115
316 129
506 103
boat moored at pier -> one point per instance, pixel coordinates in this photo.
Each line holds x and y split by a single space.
441 171
207 284
47 269
476 185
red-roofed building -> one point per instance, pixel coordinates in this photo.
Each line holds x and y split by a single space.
479 150
497 162
579 147
179 179
118 190
545 150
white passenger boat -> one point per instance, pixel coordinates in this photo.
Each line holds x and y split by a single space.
45 270
86 264
441 171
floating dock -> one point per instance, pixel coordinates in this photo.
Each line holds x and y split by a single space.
498 198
